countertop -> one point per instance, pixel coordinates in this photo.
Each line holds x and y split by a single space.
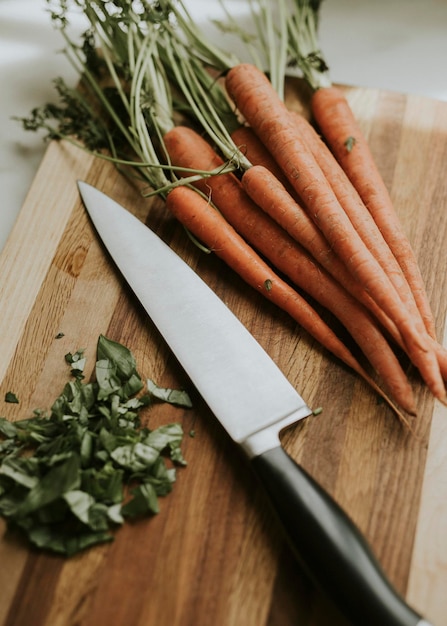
398 45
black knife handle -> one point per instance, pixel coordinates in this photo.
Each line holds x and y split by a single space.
330 547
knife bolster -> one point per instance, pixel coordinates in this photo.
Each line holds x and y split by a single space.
268 438
261 442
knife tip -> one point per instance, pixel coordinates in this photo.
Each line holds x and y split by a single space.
81 185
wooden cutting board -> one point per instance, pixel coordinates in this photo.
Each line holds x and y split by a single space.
214 554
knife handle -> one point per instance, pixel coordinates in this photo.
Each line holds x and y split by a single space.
329 546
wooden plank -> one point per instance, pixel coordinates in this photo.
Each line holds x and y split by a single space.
428 572
214 554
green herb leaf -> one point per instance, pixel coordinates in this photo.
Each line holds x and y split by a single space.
350 143
144 501
80 504
58 539
118 355
77 362
11 397
19 470
55 484
173 396
7 428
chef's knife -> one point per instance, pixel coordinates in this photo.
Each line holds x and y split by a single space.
254 401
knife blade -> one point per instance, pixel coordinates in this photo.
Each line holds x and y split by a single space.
219 354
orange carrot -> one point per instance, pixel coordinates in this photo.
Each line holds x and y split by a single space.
255 151
182 144
339 127
272 197
286 209
298 224
388 325
359 215
353 204
210 227
188 150
267 115
288 213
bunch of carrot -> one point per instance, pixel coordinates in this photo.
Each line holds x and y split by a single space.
292 214
312 215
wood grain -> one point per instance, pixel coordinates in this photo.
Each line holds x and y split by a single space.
214 554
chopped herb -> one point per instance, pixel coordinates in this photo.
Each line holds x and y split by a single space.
7 428
173 396
350 143
60 335
11 397
268 284
77 362
92 464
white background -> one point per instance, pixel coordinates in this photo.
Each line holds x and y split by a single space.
391 44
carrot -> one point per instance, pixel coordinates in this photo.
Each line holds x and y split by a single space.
210 227
298 224
267 115
188 150
182 145
292 216
289 214
352 204
341 130
279 204
255 151
359 215
285 208
388 325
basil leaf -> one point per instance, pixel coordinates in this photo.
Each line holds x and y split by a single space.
173 396
117 354
60 541
11 397
144 501
54 484
16 470
80 504
135 457
7 428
